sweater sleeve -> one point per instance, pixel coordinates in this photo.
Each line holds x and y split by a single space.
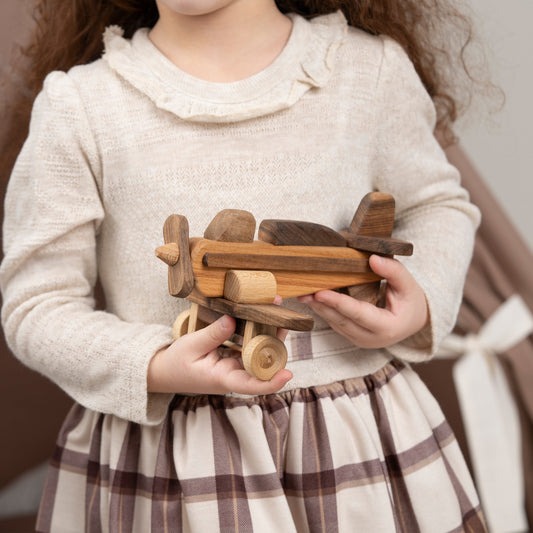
432 209
53 211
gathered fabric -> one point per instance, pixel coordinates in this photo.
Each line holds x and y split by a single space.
277 87
371 454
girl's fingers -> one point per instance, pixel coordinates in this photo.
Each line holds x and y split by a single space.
231 377
207 371
243 383
378 336
368 326
193 363
346 314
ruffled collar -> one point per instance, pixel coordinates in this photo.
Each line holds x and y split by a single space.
305 62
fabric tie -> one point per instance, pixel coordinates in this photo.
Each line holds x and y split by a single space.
489 412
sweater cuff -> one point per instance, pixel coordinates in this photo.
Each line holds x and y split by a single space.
416 348
145 407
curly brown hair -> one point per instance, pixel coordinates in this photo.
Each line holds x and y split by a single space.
434 33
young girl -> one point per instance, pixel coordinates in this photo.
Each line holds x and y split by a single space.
285 110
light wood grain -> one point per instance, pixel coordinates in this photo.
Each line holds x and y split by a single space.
210 281
231 225
168 253
263 356
250 286
193 318
252 329
181 325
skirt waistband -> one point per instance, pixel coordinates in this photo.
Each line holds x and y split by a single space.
302 345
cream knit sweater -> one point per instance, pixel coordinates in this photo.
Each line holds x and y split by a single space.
118 145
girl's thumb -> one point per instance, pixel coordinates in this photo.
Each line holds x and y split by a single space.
212 336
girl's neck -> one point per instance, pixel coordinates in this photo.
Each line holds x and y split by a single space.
226 45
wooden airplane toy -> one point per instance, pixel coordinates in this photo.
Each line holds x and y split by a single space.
228 272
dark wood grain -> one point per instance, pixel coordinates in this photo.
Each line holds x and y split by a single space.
297 233
269 314
280 262
208 316
378 245
180 275
366 292
373 219
374 216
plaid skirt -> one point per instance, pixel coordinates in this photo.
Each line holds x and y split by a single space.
369 454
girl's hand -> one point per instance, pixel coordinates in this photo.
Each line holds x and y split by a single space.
368 326
192 364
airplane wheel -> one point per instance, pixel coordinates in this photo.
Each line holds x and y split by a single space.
181 324
263 356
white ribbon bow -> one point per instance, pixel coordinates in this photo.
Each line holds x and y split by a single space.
490 415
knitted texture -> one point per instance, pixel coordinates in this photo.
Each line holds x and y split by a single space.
118 145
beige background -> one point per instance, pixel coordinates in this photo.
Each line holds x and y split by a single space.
502 147
13 21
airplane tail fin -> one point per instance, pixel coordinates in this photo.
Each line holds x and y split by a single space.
374 216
